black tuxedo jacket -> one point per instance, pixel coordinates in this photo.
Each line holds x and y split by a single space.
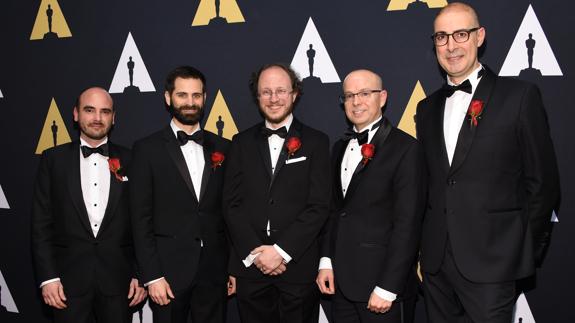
169 223
494 203
373 233
295 199
62 241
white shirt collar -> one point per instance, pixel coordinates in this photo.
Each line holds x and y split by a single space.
175 129
84 143
473 78
369 125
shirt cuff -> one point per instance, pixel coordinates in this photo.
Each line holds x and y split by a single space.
152 281
44 283
282 253
386 295
325 263
250 259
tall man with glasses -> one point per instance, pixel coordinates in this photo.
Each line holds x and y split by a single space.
369 248
176 196
81 233
493 180
276 200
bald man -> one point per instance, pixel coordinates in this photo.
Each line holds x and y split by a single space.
81 233
493 180
369 246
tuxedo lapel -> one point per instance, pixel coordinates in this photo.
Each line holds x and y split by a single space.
378 140
436 129
294 131
75 186
177 157
467 132
114 193
264 150
208 148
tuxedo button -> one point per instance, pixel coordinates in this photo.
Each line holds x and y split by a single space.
343 214
451 182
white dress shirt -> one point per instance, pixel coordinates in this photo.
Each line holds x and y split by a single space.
275 144
455 111
351 158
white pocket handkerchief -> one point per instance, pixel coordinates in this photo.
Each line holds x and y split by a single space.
124 178
295 160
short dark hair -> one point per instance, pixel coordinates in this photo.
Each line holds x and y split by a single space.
296 83
185 72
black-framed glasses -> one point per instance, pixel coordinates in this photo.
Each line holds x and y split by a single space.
362 95
459 36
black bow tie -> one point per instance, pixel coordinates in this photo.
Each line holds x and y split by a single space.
448 90
87 151
361 136
282 132
197 137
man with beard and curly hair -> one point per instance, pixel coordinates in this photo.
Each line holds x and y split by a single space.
175 200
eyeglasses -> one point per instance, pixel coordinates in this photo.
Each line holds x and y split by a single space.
280 93
362 95
459 36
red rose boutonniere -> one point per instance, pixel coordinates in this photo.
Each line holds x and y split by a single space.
367 152
474 112
293 144
217 159
116 168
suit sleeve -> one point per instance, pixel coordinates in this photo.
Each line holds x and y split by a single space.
244 238
541 175
307 226
43 230
408 203
141 206
328 230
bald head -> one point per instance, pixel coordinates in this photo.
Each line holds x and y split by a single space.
365 75
94 93
459 7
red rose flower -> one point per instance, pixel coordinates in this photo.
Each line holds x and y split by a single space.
217 159
367 152
292 145
115 167
474 112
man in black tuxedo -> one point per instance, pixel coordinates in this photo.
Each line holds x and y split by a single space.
176 198
370 244
276 197
81 232
493 180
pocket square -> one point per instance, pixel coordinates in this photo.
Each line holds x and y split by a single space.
295 160
124 178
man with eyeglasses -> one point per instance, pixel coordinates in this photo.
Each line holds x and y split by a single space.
493 180
370 243
276 200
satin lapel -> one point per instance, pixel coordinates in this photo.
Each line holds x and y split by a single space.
467 133
208 148
114 194
294 131
438 136
339 151
264 149
175 153
378 140
75 186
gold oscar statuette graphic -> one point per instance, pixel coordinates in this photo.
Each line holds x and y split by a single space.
407 122
50 22
54 132
217 12
395 5
220 120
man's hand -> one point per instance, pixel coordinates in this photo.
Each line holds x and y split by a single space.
325 276
136 293
268 259
377 304
231 285
160 292
279 270
53 294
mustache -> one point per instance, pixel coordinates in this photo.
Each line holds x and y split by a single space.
193 107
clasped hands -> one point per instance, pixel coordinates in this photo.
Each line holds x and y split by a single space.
268 260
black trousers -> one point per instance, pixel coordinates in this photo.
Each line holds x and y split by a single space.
450 297
346 311
269 300
205 300
94 306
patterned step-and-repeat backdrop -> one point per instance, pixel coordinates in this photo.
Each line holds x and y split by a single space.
51 49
